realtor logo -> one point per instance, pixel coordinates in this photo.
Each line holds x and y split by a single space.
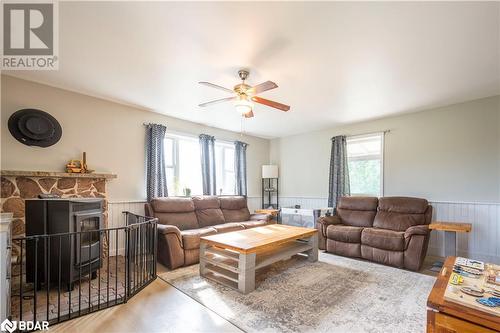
11 326
8 326
29 35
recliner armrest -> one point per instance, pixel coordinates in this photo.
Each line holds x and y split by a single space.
325 221
322 224
260 217
422 229
167 229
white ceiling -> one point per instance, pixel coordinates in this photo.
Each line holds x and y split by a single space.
335 63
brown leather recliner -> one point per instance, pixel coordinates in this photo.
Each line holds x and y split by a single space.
390 230
182 221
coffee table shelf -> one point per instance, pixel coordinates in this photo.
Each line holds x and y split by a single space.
232 258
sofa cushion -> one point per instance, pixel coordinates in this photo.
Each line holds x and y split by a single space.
253 224
183 221
191 238
172 205
403 205
210 216
344 233
357 211
236 215
232 202
400 213
206 202
383 239
234 208
343 249
386 257
358 203
227 227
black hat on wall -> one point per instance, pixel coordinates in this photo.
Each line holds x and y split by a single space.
34 128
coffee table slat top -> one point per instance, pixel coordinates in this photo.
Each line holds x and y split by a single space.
258 239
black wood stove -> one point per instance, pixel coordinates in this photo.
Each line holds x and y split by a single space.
77 220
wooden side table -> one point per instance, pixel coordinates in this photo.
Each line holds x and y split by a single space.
450 234
450 237
274 213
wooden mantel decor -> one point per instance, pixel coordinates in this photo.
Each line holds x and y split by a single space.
12 173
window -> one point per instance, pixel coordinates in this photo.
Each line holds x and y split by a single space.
365 158
224 166
183 166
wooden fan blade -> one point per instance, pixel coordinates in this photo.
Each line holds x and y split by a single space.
272 104
249 114
208 84
227 99
265 86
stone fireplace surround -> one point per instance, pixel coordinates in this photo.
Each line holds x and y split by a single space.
16 186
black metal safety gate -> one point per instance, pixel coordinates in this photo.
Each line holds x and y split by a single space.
126 263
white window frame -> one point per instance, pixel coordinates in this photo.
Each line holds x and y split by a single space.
382 153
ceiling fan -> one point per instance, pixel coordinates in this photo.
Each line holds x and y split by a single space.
244 95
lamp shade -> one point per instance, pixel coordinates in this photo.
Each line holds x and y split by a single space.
269 171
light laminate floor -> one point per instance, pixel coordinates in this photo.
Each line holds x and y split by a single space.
162 308
157 308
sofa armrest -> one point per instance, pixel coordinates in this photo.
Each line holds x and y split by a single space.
322 224
260 217
170 247
167 229
422 229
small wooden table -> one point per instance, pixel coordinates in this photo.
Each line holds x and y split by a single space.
450 234
446 316
273 212
232 258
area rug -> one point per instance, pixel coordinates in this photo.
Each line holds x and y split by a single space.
335 294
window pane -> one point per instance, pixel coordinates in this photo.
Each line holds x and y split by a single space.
365 146
364 177
365 160
170 180
229 183
229 159
169 152
189 167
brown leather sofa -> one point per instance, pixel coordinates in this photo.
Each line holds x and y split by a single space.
182 221
390 230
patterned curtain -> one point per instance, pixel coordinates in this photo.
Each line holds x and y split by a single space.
240 167
207 148
156 178
339 171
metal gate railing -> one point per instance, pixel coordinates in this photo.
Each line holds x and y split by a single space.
66 280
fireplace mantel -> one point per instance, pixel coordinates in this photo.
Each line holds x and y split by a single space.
16 173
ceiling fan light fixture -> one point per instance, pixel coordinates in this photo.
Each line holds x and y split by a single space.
243 105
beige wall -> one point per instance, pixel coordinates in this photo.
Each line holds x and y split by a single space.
112 135
450 154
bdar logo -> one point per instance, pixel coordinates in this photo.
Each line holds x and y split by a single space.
8 326
28 29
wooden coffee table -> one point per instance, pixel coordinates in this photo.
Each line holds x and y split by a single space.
232 258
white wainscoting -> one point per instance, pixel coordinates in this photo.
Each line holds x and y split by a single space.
116 218
482 243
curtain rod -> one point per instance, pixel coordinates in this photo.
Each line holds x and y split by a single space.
370 133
